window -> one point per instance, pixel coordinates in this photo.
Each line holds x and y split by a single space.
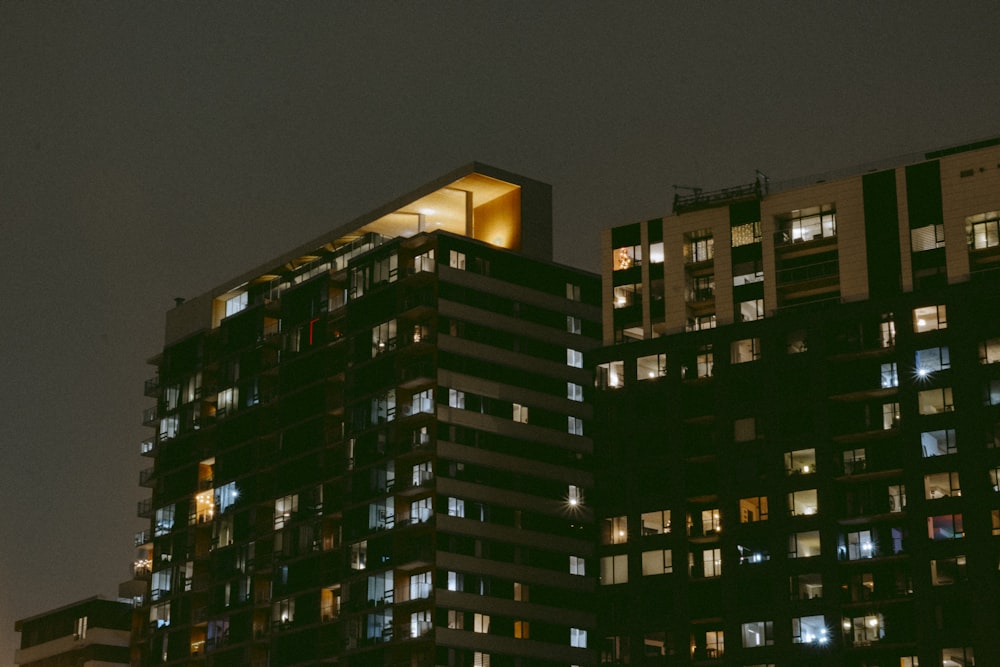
420 623
283 611
383 337
574 391
941 485
897 497
235 304
745 429
991 393
614 530
456 260
225 496
704 361
810 630
802 502
701 323
804 545
574 425
859 545
656 523
626 257
522 592
887 332
806 586
456 398
651 367
481 623
284 509
522 630
572 292
750 311
747 349
938 443
948 571
865 630
945 527
422 402
995 478
796 342
359 555
420 585
626 296
577 638
698 247
656 253
930 360
520 413
758 633
982 230
890 378
420 510
890 416
855 461
753 509
610 375
708 564
715 645
962 656
995 520
456 507
800 462
574 325
163 521
577 565
657 561
380 587
989 351
574 358
933 401
927 237
929 318
806 225
614 570
711 522
159 614
745 234
456 581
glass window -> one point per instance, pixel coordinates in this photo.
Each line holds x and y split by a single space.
960 656
926 238
481 623
810 630
753 509
456 259
945 527
614 530
577 638
934 401
626 296
989 351
705 361
574 425
656 252
626 257
577 565
750 311
800 462
610 375
796 342
855 461
982 230
804 545
938 443
456 399
574 325
806 586
519 413
574 358
747 349
651 367
859 545
991 393
657 561
806 225
656 523
572 292
941 485
614 570
758 633
929 318
930 360
890 378
745 234
947 571
698 247
574 391
802 502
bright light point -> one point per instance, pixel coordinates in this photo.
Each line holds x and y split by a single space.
922 372
620 301
822 640
651 374
572 501
805 468
847 625
427 211
921 323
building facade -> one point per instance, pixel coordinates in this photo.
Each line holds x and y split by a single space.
797 423
93 632
370 451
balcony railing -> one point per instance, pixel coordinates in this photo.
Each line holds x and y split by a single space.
144 508
151 387
149 417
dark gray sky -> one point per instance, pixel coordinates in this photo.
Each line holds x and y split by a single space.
154 149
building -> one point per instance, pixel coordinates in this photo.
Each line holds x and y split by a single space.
797 422
93 632
370 450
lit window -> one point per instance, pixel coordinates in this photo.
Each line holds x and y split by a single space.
711 521
800 462
947 571
959 656
745 234
383 337
747 349
991 393
520 413
796 342
982 230
806 586
574 358
859 545
656 523
707 565
929 318
572 292
456 260
626 257
521 592
421 511
758 633
626 296
657 561
577 638
989 351
80 630
614 530
941 485
577 565
283 611
225 496
481 623
933 401
420 623
806 225
456 507
610 375
995 519
574 391
751 310
235 304
890 415
931 360
359 555
701 323
938 443
574 425
614 570
656 252
855 461
865 629
897 497
802 503
163 521
420 585
651 367
753 509
456 398
810 630
574 325
750 555
705 361
284 509
995 478
456 581
522 630
890 378
927 237
715 646
887 332
945 527
804 545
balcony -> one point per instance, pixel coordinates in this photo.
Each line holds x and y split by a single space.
146 477
144 508
142 537
151 387
148 447
149 417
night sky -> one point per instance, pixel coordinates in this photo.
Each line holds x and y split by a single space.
151 150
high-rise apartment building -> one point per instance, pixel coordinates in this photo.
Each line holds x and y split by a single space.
94 631
797 423
370 450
